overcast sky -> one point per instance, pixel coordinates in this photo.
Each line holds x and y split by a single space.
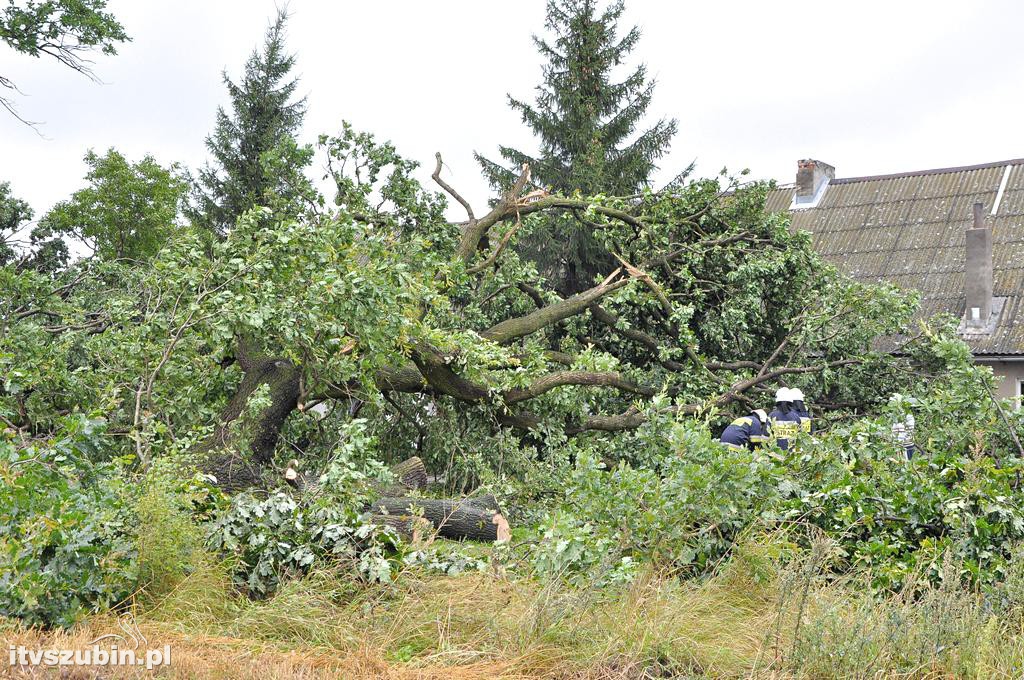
870 87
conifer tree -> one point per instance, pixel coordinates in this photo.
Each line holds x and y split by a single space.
256 158
586 124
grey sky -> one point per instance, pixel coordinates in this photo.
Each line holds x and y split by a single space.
870 87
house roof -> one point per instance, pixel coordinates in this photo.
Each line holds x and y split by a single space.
909 229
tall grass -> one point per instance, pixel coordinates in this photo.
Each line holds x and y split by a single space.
771 611
756 617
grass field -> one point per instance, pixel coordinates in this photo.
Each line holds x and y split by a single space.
754 619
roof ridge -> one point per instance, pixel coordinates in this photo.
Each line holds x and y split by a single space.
934 171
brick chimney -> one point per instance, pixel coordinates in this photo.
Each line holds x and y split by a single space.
811 178
978 274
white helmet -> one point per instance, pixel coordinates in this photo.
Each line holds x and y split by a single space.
784 394
796 394
759 412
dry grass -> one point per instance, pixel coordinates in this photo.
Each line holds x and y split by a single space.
471 626
752 620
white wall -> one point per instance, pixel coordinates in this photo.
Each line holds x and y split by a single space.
1011 374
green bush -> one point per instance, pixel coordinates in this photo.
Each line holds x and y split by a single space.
169 536
65 528
685 500
684 512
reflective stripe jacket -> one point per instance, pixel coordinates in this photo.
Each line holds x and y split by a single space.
805 417
785 426
745 432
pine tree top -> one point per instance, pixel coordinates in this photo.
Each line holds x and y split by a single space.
583 118
586 123
262 117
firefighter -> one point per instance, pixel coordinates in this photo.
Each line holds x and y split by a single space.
801 410
903 433
785 419
747 432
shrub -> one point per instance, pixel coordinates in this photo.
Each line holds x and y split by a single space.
685 512
169 537
65 528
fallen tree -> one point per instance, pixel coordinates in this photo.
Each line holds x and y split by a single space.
390 309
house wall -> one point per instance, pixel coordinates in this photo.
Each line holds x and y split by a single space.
1011 374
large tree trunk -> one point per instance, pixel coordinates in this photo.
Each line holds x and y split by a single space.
239 463
412 529
465 519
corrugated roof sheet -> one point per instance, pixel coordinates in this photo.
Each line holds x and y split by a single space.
908 229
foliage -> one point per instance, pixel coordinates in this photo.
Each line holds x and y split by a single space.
62 29
957 496
170 510
586 125
129 210
65 527
14 213
256 161
39 253
684 512
684 503
279 536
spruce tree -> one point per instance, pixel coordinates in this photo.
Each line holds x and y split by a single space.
255 140
586 125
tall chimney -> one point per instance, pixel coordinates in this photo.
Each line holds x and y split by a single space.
978 276
811 175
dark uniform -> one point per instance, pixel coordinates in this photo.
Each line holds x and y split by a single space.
747 432
803 414
786 424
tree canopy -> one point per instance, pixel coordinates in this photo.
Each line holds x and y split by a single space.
354 305
129 210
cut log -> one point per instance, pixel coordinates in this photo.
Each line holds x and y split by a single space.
451 519
411 473
485 501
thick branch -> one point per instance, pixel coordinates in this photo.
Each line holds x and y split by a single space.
518 327
582 378
558 202
475 230
629 420
496 253
648 341
442 378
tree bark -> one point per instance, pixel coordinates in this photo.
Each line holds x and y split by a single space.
457 520
240 464
411 473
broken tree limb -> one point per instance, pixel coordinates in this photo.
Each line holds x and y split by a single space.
457 520
410 475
